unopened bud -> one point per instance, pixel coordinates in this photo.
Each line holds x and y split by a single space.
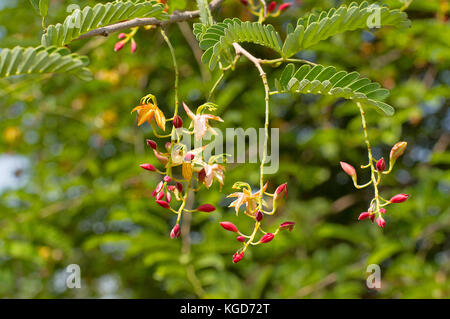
397 150
382 210
271 7
159 187
287 225
284 6
133 46
167 179
348 169
152 144
163 204
119 45
240 239
189 157
259 216
282 189
267 238
364 215
168 197
381 222
381 165
207 208
177 121
176 231
229 226
148 167
399 198
238 257
122 35
179 186
160 195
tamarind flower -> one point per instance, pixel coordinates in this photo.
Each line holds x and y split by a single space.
200 121
149 112
211 172
246 197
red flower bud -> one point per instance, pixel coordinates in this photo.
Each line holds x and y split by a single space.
267 238
159 187
177 121
148 167
284 6
381 222
364 215
168 197
160 195
207 208
152 144
119 45
154 193
382 210
176 231
259 216
238 257
229 226
381 165
133 46
271 7
348 169
189 157
179 186
283 188
399 198
163 204
372 218
240 239
287 225
167 179
122 35
171 188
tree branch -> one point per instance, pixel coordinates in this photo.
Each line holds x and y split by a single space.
138 22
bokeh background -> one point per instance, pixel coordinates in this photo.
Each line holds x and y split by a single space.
71 190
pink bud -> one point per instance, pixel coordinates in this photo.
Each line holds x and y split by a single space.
160 195
189 157
119 45
284 6
177 121
348 169
159 187
122 35
167 179
259 216
287 225
238 257
381 165
175 233
133 46
381 222
267 238
399 198
168 197
207 208
148 167
154 193
282 188
171 188
271 7
240 239
163 204
179 186
229 226
152 144
364 215
382 210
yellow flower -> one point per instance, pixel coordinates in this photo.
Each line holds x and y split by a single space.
148 111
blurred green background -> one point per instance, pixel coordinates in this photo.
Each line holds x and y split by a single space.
71 190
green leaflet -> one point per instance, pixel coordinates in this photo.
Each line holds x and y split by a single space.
217 39
19 61
83 21
328 81
321 26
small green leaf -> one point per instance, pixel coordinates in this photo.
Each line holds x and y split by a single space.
43 7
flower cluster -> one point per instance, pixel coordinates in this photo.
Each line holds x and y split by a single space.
378 168
183 171
263 11
254 208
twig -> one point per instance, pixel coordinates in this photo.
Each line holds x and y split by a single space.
138 22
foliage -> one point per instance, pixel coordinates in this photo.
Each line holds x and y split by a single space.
78 196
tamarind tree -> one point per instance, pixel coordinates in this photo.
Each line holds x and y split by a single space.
270 54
